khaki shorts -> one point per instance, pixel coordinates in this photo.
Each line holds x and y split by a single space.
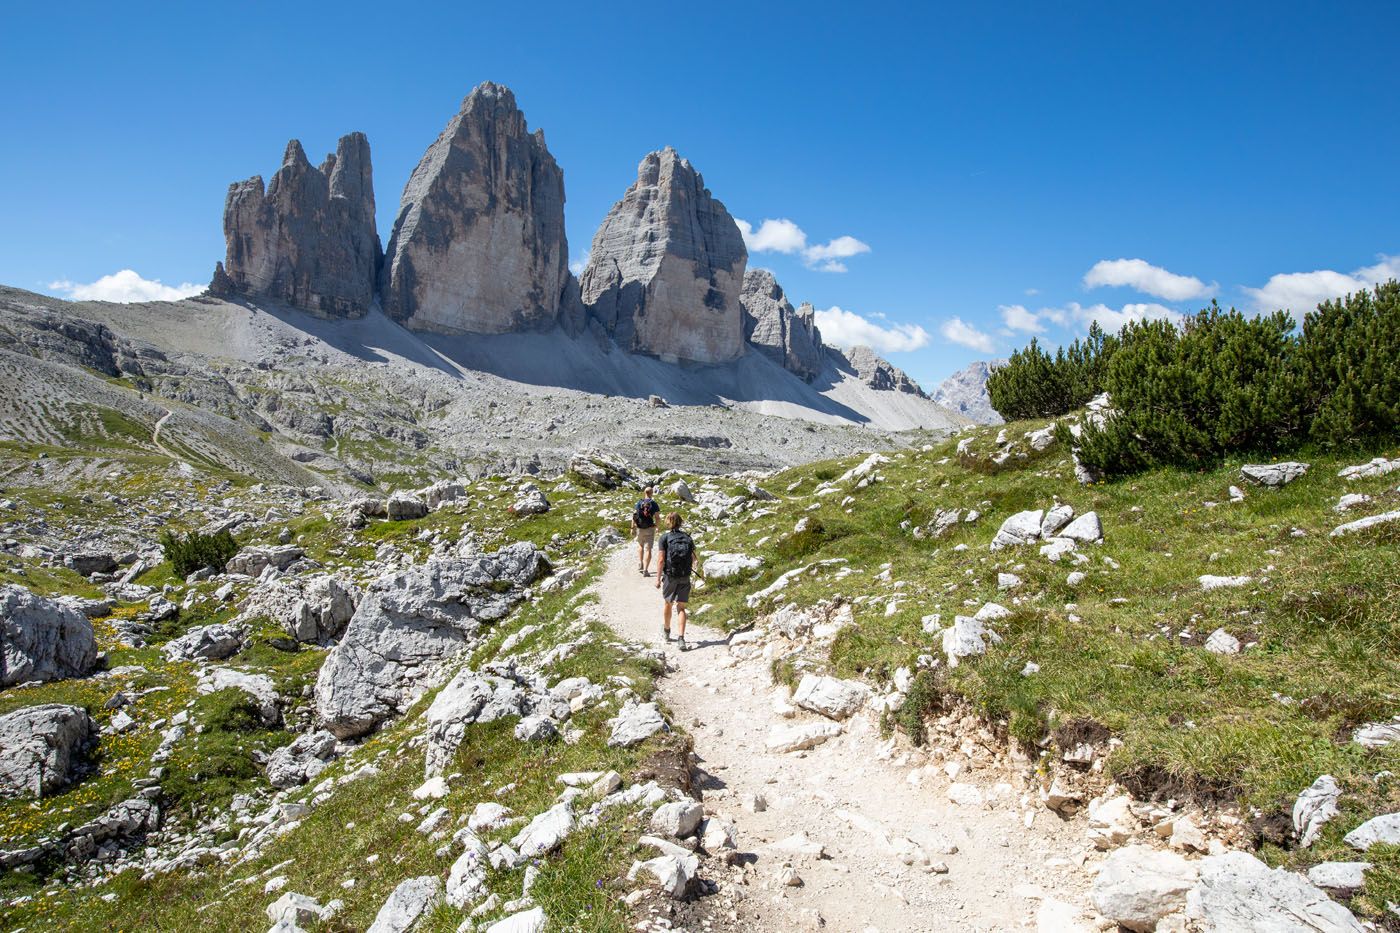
646 535
675 591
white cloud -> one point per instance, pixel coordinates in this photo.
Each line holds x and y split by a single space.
1148 279
1112 320
773 236
578 265
1019 317
1301 292
125 287
959 331
784 236
848 329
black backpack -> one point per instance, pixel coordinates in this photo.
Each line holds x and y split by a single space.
645 513
680 551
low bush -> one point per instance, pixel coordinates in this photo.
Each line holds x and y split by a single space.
196 551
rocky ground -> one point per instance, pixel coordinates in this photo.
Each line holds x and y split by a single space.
292 398
923 696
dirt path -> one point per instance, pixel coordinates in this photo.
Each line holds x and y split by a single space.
870 805
155 435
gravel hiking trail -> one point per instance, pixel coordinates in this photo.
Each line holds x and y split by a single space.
155 435
866 823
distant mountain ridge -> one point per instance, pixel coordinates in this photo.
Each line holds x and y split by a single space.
965 392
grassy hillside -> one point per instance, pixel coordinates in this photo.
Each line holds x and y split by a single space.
1124 649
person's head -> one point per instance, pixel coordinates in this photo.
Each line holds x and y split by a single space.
673 521
648 491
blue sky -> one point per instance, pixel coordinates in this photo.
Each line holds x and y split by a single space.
998 160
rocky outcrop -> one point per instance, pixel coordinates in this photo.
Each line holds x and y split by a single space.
43 746
41 639
875 372
410 621
312 609
309 239
965 392
478 245
666 270
771 326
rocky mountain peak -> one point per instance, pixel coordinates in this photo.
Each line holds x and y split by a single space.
788 337
966 392
308 239
478 245
666 269
876 372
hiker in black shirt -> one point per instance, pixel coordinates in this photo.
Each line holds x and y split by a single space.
644 527
674 561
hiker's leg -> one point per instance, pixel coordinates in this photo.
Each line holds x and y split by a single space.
680 618
666 618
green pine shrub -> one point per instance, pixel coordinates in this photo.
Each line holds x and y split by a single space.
1034 384
1349 364
1220 383
196 551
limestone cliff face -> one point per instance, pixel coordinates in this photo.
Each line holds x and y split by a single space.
666 270
478 245
788 337
876 372
309 239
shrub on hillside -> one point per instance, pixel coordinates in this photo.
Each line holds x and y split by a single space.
1034 384
1349 365
196 551
1221 382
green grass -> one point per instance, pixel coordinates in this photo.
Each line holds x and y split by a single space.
579 886
1322 622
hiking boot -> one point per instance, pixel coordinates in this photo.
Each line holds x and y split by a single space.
681 644
666 634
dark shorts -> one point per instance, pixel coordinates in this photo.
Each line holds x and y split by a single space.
675 591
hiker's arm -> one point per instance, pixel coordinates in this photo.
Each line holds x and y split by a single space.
660 565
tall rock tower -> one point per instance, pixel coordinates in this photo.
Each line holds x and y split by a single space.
478 246
788 337
667 267
309 240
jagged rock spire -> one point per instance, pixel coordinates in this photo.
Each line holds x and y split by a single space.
667 266
309 239
478 245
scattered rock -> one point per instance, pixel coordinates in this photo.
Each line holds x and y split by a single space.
1138 886
799 738
1239 892
1377 734
1222 642
724 566
1314 808
409 903
830 697
41 639
678 819
1212 582
43 746
1361 524
296 764
404 506
635 723
1021 528
253 560
1384 829
1086 529
1380 466
1274 475
1339 879
530 501
207 643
